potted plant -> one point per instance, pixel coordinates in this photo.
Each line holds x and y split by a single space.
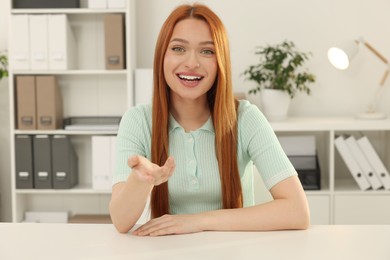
279 74
3 66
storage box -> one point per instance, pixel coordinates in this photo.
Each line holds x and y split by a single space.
308 171
46 3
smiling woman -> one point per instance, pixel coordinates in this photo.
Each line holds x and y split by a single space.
192 149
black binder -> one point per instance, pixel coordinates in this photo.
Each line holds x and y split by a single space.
46 3
24 162
65 163
42 162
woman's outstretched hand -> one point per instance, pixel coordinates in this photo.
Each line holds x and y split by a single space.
150 172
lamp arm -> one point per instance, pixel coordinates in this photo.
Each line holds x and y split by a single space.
384 77
376 52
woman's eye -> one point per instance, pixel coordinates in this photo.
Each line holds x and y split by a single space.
207 52
178 49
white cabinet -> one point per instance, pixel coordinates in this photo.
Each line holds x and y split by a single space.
340 201
87 90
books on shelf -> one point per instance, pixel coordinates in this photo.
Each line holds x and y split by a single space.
92 123
363 162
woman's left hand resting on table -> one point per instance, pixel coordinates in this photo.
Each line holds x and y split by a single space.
288 210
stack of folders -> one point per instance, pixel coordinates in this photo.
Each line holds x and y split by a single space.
46 3
38 103
45 162
363 162
103 161
301 150
42 42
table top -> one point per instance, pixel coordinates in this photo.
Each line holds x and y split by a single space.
102 241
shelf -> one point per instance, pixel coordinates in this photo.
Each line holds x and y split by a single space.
349 187
66 11
300 124
79 189
63 132
70 72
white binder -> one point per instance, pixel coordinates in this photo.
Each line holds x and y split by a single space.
39 42
143 86
351 163
62 45
101 162
375 161
20 55
362 161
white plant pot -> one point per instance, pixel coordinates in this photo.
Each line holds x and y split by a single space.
275 104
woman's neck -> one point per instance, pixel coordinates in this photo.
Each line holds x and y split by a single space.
190 114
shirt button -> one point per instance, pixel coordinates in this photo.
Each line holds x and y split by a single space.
194 181
190 140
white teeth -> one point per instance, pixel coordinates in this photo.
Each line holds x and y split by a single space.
187 77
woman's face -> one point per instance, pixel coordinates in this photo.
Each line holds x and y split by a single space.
190 63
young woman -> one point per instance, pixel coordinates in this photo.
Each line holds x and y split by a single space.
191 151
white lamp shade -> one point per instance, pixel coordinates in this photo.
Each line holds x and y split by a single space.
340 57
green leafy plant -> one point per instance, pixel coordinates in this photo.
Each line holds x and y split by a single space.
280 67
3 65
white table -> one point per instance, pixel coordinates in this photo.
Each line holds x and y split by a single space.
102 241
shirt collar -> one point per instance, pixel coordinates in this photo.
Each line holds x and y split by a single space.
208 126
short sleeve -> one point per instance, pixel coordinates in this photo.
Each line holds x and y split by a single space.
133 138
262 146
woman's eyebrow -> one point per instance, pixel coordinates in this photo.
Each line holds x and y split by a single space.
187 42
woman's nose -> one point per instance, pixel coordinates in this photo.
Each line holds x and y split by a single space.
192 61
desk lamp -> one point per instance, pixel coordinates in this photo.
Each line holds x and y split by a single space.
340 58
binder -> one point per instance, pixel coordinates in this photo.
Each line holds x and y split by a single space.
361 160
42 162
352 165
39 42
62 45
26 103
114 40
65 163
101 162
143 86
24 162
20 42
375 161
49 103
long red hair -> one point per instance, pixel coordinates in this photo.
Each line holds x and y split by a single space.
222 104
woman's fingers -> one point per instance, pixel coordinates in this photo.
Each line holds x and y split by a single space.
133 161
151 172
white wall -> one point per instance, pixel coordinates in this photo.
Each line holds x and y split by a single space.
314 25
5 182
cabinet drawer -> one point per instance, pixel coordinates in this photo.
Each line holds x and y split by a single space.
319 209
362 209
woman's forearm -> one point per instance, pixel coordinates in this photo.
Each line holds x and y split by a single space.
128 202
274 215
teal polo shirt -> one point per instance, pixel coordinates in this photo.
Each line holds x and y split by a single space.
195 184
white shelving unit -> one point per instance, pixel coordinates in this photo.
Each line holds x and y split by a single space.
89 90
340 201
